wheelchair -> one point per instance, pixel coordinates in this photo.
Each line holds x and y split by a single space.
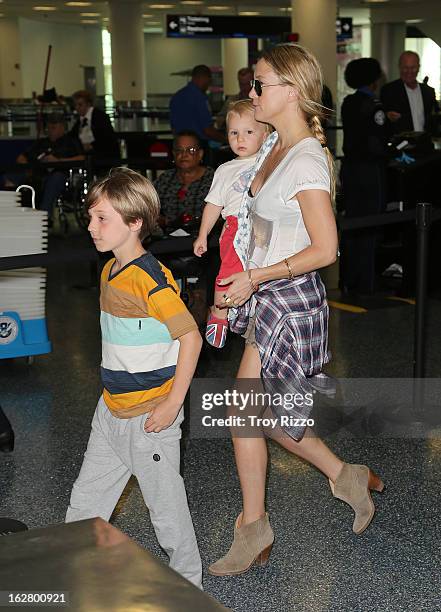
73 199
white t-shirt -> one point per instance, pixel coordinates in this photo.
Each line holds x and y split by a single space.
416 107
229 183
278 229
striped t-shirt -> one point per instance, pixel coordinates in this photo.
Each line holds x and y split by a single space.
142 316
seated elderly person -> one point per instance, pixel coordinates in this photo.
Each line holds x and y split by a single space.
182 190
57 146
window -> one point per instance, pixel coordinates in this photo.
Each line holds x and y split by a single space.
107 65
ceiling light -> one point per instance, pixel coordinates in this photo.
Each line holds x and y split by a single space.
414 20
147 16
285 9
78 3
248 13
89 21
90 14
218 7
161 6
44 8
192 2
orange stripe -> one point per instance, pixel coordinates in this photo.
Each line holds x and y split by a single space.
123 401
400 299
347 307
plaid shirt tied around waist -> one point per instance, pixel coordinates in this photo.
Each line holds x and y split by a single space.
291 319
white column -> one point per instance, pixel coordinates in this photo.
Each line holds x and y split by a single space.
234 57
11 81
388 41
128 58
314 21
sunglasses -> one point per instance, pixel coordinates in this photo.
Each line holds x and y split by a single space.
183 150
257 86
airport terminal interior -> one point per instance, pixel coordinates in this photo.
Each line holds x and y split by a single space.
90 86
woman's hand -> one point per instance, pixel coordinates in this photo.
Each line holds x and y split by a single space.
238 292
200 246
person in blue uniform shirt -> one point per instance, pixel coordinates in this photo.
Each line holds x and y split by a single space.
363 172
189 108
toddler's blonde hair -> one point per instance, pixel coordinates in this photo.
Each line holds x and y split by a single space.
243 107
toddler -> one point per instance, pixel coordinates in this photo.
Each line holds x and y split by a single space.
245 136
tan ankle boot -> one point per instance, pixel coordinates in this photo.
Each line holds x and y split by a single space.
353 486
252 544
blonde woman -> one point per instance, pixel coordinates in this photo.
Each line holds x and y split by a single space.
286 233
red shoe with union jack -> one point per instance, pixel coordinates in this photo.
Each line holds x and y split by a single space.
216 332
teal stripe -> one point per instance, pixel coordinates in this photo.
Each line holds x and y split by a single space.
133 332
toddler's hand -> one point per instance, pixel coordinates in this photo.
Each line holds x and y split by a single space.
200 246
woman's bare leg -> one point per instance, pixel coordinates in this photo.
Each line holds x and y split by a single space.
251 453
311 449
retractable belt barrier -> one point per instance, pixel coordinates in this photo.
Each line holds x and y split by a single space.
89 164
424 215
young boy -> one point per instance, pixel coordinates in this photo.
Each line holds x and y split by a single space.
245 136
150 347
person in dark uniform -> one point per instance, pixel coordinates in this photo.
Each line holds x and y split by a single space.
363 172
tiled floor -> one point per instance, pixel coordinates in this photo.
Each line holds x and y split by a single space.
317 563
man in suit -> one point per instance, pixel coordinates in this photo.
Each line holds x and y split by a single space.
409 105
93 128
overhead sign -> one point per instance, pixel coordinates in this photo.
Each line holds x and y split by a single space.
208 26
343 27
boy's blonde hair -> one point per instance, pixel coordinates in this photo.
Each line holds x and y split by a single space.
243 107
298 67
131 195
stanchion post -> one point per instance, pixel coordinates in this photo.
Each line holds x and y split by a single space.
423 221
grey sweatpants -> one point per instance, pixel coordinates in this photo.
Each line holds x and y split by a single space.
118 448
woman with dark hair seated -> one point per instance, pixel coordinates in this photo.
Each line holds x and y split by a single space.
182 190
